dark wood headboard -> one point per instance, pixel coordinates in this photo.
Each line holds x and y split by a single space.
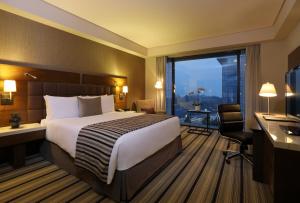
36 90
88 83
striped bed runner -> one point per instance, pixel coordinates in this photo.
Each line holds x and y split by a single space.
95 142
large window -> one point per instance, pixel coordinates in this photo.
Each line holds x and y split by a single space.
208 80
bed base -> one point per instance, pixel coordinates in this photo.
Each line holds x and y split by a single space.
125 183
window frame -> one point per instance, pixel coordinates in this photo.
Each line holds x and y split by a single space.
173 60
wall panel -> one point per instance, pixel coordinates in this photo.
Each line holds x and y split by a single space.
27 42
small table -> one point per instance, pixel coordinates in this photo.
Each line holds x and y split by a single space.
198 130
17 139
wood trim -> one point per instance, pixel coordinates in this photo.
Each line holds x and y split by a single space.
16 72
294 58
10 140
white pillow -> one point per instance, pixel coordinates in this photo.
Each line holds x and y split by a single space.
61 107
107 103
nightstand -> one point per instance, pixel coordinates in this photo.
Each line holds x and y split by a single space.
17 139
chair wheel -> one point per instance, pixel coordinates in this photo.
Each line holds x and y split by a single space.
227 161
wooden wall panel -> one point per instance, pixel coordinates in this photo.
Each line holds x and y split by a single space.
16 72
118 81
28 42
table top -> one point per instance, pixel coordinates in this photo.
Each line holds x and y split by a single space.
201 111
30 127
277 136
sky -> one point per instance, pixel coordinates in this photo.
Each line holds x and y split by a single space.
192 74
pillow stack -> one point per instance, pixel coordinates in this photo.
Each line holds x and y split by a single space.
81 106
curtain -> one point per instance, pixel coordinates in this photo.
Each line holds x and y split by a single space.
252 85
160 103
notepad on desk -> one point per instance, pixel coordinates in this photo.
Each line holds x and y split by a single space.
280 118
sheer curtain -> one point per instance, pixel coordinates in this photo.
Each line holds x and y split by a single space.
160 103
252 85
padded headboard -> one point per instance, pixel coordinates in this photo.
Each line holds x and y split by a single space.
36 109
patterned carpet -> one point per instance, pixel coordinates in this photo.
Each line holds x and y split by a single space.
199 174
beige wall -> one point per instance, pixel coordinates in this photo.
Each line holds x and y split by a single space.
25 41
293 41
273 68
150 77
274 64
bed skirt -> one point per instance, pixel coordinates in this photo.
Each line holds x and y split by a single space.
125 183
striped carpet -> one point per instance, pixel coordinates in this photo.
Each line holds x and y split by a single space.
199 174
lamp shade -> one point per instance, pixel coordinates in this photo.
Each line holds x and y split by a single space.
267 90
158 85
125 89
10 86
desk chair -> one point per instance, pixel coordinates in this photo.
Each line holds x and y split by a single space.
231 126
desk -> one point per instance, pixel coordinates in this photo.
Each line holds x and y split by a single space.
207 131
276 159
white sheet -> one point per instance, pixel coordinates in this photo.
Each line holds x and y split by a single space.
129 149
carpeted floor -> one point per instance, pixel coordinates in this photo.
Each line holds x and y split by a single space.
199 174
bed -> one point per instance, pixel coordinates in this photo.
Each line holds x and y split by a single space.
136 156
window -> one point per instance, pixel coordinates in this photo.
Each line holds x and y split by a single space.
208 80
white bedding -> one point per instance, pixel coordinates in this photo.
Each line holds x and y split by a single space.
129 149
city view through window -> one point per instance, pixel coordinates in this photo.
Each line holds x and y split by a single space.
205 83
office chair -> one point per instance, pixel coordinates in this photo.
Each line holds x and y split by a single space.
231 126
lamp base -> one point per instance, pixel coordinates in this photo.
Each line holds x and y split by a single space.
267 114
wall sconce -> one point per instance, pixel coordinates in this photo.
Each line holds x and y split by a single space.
30 76
124 92
158 85
116 83
8 88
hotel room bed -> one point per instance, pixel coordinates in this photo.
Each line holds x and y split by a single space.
129 150
136 156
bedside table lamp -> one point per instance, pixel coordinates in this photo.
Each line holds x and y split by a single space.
268 90
9 87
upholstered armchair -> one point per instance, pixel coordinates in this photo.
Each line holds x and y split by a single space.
145 105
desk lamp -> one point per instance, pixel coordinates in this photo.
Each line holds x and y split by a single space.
268 90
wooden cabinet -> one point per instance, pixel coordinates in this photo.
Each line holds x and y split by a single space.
275 162
17 139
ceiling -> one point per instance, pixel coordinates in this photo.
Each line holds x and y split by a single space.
158 23
149 28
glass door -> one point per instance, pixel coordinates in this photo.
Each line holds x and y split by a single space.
202 83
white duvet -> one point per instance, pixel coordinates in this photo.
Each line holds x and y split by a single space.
129 150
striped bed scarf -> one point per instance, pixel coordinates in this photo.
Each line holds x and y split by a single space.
95 142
